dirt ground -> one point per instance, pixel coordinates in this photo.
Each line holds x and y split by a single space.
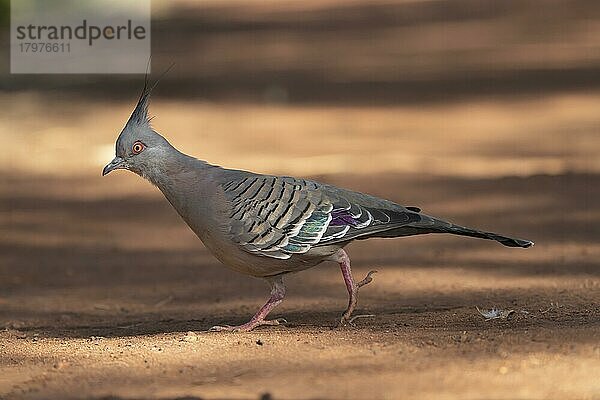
105 293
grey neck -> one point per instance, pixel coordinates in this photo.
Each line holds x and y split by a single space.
173 168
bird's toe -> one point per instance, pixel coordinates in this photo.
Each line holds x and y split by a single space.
368 279
221 328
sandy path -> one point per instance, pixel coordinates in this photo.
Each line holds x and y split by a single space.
96 300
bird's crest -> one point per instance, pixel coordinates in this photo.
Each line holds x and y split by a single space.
139 116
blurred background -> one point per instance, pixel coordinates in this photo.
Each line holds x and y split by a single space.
477 88
484 112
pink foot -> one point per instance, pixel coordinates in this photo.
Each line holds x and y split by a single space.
248 326
277 295
342 258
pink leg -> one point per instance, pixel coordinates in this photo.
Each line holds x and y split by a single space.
277 295
342 258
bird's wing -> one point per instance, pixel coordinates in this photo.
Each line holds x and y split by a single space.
281 216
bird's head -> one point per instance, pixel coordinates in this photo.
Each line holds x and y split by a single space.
139 148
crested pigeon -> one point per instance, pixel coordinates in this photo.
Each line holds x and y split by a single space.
269 226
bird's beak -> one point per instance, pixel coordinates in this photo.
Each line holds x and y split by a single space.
116 163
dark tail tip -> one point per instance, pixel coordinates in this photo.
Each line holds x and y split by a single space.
510 242
505 240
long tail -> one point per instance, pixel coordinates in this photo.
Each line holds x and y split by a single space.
505 240
428 224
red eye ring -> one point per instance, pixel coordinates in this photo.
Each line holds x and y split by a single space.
137 147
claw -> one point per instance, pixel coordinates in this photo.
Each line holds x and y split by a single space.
351 322
368 279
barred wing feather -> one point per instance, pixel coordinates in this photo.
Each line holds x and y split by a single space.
281 216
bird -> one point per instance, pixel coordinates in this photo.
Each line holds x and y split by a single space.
269 226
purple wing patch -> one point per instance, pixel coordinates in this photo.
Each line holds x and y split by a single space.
341 217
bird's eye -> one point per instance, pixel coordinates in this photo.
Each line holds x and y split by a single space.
137 147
